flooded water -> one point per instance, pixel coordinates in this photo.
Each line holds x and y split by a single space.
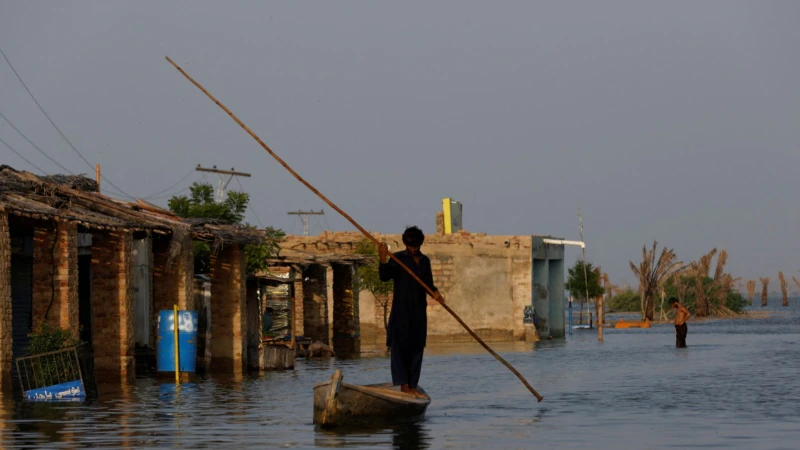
737 386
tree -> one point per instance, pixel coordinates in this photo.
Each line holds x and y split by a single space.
653 275
795 281
577 284
683 286
764 290
784 290
200 204
751 290
369 278
626 299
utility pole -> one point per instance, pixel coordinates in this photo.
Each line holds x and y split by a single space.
304 217
219 194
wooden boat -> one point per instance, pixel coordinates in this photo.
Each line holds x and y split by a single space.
343 404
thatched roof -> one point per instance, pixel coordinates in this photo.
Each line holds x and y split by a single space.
75 198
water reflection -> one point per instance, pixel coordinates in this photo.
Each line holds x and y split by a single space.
408 436
737 380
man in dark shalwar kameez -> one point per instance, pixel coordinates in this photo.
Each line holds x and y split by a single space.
408 321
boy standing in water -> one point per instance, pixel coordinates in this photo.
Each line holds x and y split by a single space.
681 315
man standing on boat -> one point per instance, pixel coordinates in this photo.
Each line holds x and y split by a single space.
681 316
408 321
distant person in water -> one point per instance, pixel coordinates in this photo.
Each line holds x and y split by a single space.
408 321
681 315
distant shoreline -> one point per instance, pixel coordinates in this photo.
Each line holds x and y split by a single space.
758 314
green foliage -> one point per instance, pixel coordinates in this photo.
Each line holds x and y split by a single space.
734 300
200 204
369 276
257 255
628 300
577 282
49 338
51 369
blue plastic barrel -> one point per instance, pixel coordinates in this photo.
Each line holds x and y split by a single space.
187 341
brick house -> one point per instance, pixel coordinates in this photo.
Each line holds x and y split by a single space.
324 295
103 268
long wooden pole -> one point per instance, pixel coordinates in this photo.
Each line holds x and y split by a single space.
355 224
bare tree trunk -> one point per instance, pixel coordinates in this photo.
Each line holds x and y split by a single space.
600 318
650 312
784 291
642 301
764 290
751 290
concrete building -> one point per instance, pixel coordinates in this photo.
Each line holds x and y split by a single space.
102 269
492 282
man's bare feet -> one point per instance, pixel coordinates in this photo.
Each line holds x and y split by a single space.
405 389
417 393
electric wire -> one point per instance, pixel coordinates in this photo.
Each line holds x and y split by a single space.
58 129
24 158
170 187
34 145
250 204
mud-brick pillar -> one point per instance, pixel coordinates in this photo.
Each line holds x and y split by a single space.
346 326
55 276
315 303
112 306
173 274
6 351
228 314
298 296
330 304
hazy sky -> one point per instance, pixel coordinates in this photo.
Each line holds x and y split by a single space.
677 121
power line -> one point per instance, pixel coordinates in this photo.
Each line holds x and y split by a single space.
172 194
34 145
56 127
172 186
24 158
250 204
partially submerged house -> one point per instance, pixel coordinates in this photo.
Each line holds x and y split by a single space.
103 268
499 285
324 296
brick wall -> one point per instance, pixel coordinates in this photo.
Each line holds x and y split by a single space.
6 354
55 276
112 306
229 316
380 330
443 274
